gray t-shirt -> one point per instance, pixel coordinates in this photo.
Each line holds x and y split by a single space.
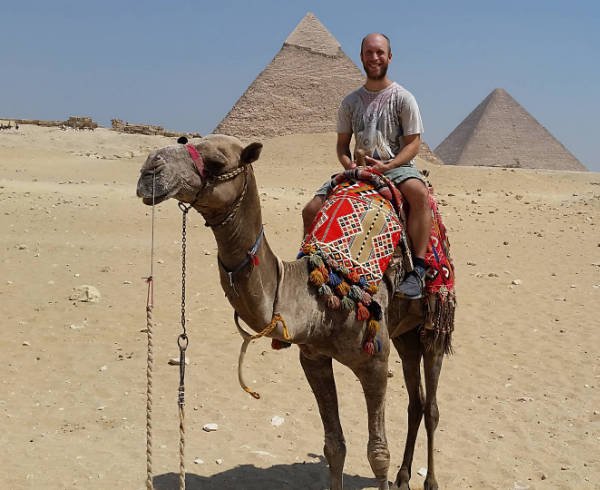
379 120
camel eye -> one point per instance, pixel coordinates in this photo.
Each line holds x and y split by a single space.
213 167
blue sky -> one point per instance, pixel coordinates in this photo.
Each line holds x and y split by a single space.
184 64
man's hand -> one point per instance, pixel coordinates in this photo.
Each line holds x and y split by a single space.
347 163
375 164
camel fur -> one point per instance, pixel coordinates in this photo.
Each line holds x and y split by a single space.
321 334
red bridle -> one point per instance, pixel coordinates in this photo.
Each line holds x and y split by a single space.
197 158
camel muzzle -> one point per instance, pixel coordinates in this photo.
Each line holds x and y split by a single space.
149 188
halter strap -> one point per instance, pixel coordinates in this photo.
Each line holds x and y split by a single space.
250 258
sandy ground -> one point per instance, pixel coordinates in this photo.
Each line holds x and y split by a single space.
519 400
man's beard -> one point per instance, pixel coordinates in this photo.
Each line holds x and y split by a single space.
380 75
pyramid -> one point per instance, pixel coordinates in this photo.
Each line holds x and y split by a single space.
299 91
501 133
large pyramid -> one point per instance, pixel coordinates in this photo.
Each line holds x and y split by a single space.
501 133
299 91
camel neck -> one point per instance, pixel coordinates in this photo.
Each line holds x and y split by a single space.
251 290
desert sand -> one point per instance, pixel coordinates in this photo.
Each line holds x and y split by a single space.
519 399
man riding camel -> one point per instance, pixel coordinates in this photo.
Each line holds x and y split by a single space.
386 123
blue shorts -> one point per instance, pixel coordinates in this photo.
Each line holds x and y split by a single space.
396 175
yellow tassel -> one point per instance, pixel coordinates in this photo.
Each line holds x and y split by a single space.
373 328
343 288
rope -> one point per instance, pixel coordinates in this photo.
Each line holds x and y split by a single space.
181 448
150 354
247 338
276 319
149 367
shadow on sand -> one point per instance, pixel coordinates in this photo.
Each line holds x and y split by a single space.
296 476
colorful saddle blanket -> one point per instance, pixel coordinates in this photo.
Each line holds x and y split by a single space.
358 228
352 241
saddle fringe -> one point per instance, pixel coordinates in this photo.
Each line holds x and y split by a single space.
436 332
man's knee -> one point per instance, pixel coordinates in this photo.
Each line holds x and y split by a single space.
415 192
311 209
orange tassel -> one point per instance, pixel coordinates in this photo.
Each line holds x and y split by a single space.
309 248
354 276
317 278
362 312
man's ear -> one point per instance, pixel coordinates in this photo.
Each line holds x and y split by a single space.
251 153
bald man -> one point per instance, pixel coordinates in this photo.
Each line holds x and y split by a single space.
386 123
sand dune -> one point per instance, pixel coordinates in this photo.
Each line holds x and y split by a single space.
519 400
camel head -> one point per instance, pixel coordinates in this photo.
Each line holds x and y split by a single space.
189 174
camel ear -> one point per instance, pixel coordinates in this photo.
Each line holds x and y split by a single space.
251 153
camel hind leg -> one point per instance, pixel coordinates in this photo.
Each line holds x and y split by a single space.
420 404
319 373
409 347
432 366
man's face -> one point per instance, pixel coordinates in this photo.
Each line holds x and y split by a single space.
375 56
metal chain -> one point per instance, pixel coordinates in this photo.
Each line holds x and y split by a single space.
182 342
185 210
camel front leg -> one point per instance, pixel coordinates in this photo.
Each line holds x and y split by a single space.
432 365
409 348
319 372
373 378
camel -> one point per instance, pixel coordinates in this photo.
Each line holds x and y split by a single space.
216 178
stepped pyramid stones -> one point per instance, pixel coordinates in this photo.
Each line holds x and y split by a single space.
299 91
426 153
501 133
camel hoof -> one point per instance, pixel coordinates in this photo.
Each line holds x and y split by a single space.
430 486
401 486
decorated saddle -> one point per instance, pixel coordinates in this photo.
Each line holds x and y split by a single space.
352 241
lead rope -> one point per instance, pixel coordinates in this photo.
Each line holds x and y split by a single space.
150 356
182 343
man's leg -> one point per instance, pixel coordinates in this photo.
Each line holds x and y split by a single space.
310 211
419 229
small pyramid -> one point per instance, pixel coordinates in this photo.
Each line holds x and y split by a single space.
299 91
312 35
501 133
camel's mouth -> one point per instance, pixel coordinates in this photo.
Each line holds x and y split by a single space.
149 201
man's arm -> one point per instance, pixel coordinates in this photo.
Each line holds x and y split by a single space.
412 143
343 150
